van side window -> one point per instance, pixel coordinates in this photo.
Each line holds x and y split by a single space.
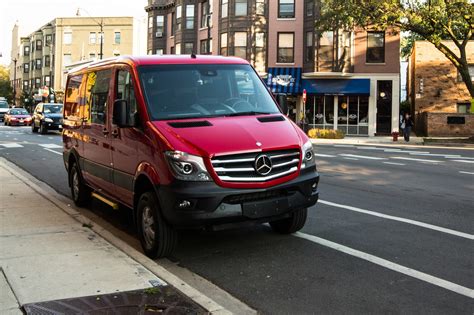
97 94
125 90
74 105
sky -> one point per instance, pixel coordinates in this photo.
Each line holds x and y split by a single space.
32 14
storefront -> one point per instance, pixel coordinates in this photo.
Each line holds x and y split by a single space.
285 84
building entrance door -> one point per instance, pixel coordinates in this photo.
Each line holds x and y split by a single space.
384 107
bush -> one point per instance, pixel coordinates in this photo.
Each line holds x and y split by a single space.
325 134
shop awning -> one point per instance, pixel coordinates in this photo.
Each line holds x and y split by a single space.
337 86
284 80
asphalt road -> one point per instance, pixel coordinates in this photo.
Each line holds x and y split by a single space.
393 233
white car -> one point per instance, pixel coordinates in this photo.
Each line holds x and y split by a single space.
3 108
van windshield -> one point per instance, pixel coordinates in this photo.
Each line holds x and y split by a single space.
3 104
194 91
52 109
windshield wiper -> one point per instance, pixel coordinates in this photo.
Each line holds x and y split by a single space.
248 113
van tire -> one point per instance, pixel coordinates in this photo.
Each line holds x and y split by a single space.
43 129
80 193
158 239
292 224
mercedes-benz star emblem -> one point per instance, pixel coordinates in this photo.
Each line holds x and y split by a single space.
263 165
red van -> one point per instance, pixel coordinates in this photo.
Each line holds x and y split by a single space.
186 142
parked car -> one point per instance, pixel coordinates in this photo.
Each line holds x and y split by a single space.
185 142
47 116
3 108
17 117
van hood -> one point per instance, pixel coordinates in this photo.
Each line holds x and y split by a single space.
229 135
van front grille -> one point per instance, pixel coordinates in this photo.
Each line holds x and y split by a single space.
257 166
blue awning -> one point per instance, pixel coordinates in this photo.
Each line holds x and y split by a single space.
337 86
284 80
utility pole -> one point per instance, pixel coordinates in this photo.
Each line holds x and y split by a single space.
101 34
14 81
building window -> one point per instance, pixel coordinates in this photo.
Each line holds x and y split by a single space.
26 50
39 44
172 50
286 9
47 80
240 7
223 51
159 51
190 16
309 53
26 68
47 61
26 85
260 7
67 59
205 14
37 83
160 25
67 38
92 38
150 24
188 48
375 47
240 44
101 38
178 49
286 43
463 108
38 64
309 8
224 8
117 38
260 52
325 55
48 40
172 23
179 10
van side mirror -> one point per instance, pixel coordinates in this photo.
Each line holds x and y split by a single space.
122 116
283 102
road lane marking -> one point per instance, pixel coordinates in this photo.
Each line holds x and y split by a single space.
349 158
448 156
11 145
393 163
344 146
469 173
463 161
413 159
399 219
464 158
448 285
362 157
323 155
392 150
51 146
50 150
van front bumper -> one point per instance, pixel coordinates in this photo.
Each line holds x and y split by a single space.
205 204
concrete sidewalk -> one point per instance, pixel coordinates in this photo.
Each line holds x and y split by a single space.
50 253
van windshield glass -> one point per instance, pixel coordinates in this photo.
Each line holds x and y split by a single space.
52 109
194 91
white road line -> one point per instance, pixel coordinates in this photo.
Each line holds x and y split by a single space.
369 148
349 158
462 157
390 265
59 153
399 219
324 155
393 163
469 173
392 150
50 146
362 157
344 146
463 161
448 156
11 145
413 159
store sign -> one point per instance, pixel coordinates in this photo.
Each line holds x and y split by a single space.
283 79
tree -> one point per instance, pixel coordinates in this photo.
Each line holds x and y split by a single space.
432 20
6 89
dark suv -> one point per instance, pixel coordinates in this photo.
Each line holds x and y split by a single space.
47 116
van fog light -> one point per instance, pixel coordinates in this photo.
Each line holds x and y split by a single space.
314 186
184 204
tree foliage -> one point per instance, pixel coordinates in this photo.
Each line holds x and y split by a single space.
431 20
6 89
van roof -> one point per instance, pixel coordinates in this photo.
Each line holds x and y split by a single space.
164 59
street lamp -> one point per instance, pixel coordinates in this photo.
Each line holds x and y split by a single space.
101 34
14 81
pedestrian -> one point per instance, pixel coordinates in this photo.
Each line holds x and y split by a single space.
407 124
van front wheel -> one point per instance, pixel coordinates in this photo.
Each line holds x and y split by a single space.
158 239
292 224
79 191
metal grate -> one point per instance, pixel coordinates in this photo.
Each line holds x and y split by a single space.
243 167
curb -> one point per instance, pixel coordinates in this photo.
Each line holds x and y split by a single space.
180 285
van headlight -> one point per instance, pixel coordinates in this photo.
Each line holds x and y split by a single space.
187 167
308 155
48 120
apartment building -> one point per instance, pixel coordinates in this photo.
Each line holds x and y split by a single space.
44 57
351 79
440 101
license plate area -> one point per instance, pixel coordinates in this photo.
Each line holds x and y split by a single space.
265 208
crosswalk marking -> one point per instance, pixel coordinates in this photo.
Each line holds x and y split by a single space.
463 161
51 146
11 145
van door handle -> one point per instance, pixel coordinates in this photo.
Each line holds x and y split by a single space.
115 133
105 131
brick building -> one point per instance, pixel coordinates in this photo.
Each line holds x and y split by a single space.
439 99
44 56
352 79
